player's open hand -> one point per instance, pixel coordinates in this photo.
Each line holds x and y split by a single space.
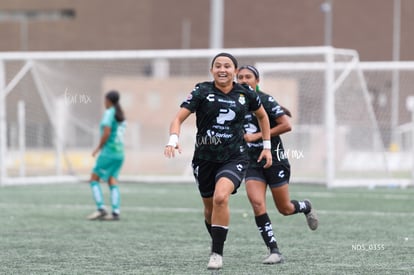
267 155
169 150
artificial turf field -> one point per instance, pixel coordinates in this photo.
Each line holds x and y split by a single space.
43 231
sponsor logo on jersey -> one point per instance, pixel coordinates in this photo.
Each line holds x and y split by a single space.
210 97
250 128
225 115
242 99
218 135
230 102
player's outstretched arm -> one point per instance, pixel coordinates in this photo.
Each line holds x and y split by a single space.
264 124
175 127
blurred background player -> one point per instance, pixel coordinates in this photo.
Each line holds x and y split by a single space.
110 159
220 160
277 176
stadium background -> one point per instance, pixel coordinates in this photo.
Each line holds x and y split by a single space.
363 25
180 24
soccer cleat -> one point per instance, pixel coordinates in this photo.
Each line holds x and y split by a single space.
216 261
274 258
97 215
111 217
311 217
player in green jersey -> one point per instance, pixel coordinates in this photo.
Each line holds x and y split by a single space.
110 159
278 175
220 159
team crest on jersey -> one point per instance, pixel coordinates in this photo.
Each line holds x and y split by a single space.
242 99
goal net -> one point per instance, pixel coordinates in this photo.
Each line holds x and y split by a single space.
52 103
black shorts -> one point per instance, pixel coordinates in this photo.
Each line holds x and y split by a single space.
275 176
207 173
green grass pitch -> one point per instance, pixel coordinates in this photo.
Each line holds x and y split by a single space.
43 231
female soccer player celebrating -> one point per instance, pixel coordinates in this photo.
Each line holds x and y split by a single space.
277 176
220 161
111 157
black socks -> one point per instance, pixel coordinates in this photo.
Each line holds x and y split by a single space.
218 234
265 228
301 206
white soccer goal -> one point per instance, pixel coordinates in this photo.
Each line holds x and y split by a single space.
51 105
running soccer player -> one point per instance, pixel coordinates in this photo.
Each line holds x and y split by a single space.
110 159
220 160
278 175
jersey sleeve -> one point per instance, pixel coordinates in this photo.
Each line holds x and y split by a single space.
254 99
108 118
193 99
273 109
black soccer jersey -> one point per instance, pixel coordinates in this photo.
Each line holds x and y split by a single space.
220 119
274 111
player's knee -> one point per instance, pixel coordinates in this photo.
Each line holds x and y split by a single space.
285 210
259 207
220 199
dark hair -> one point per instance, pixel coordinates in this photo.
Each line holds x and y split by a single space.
113 97
287 112
233 59
252 69
255 71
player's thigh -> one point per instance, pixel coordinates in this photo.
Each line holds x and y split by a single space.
101 167
114 170
107 167
278 177
256 185
232 171
223 190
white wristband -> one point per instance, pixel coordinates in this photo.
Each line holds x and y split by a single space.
267 144
173 140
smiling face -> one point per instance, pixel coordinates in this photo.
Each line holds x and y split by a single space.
246 76
223 71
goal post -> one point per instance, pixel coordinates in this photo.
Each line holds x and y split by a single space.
340 136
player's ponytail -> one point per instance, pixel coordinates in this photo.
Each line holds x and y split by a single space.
119 113
113 97
287 112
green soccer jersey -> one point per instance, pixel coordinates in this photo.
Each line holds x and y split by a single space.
114 146
273 111
220 120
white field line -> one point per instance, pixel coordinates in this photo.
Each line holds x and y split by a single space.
408 196
199 210
310 194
